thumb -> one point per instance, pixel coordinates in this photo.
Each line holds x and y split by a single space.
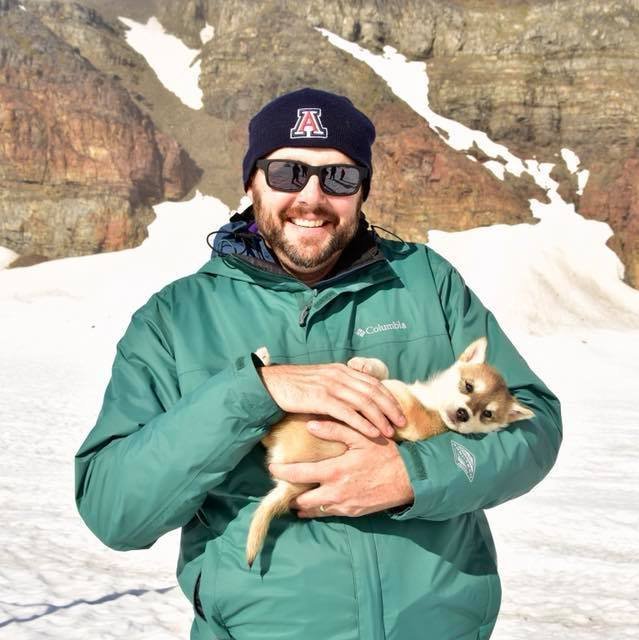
331 430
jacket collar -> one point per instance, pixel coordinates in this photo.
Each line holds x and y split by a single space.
240 240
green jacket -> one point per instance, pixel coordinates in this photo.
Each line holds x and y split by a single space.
177 445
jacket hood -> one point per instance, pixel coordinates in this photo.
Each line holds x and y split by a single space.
240 236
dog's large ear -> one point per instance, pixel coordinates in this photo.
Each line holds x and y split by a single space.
475 352
519 412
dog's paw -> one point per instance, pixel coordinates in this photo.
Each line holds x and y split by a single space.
263 354
371 366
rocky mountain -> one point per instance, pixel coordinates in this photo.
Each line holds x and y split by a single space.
80 163
536 75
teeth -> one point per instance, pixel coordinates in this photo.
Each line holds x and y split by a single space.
300 222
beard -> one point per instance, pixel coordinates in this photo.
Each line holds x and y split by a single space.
306 256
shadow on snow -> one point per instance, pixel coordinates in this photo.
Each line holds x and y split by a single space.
52 608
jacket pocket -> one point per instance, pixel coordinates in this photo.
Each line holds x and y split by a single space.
197 603
204 596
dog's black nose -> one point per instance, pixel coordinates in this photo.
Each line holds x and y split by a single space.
462 415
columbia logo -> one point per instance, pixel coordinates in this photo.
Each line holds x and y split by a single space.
379 328
464 459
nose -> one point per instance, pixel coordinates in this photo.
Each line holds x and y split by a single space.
311 193
462 415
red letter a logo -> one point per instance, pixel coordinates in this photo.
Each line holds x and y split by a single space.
309 124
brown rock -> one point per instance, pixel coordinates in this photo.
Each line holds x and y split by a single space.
539 76
535 76
614 198
62 221
420 183
70 132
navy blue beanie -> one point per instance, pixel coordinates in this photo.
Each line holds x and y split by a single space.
310 118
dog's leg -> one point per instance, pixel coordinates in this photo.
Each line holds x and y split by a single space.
371 366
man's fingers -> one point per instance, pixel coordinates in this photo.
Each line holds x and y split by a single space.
345 394
362 404
371 399
328 430
376 395
343 412
311 501
302 472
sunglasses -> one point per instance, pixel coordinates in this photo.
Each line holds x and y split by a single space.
291 176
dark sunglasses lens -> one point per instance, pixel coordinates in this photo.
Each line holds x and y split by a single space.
341 180
285 175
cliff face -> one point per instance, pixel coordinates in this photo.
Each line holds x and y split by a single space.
536 76
542 76
80 164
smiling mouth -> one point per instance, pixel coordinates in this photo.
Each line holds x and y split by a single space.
308 224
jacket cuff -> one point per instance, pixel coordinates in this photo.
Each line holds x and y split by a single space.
418 476
249 380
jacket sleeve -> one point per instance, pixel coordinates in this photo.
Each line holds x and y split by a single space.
453 474
147 465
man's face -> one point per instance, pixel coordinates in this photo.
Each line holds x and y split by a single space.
307 252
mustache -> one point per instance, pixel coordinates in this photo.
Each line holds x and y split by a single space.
301 210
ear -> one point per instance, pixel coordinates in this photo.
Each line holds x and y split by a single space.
519 412
475 353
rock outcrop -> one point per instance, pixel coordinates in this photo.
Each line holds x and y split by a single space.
80 163
536 76
541 76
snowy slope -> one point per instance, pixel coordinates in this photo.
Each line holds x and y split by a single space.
568 550
176 65
59 324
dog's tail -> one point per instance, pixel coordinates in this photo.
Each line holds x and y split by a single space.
274 504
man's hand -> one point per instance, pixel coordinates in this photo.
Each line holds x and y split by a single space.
355 398
370 476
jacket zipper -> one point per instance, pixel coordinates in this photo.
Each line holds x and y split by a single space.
306 310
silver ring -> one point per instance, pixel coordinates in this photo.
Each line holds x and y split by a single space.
322 508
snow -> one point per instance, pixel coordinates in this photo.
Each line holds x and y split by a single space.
207 33
572 164
6 257
60 321
171 60
496 168
568 550
409 81
571 159
582 181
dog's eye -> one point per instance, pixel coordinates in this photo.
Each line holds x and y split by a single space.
469 387
486 413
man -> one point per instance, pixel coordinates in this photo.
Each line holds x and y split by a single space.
393 542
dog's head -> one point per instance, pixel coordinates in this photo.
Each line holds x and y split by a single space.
479 401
